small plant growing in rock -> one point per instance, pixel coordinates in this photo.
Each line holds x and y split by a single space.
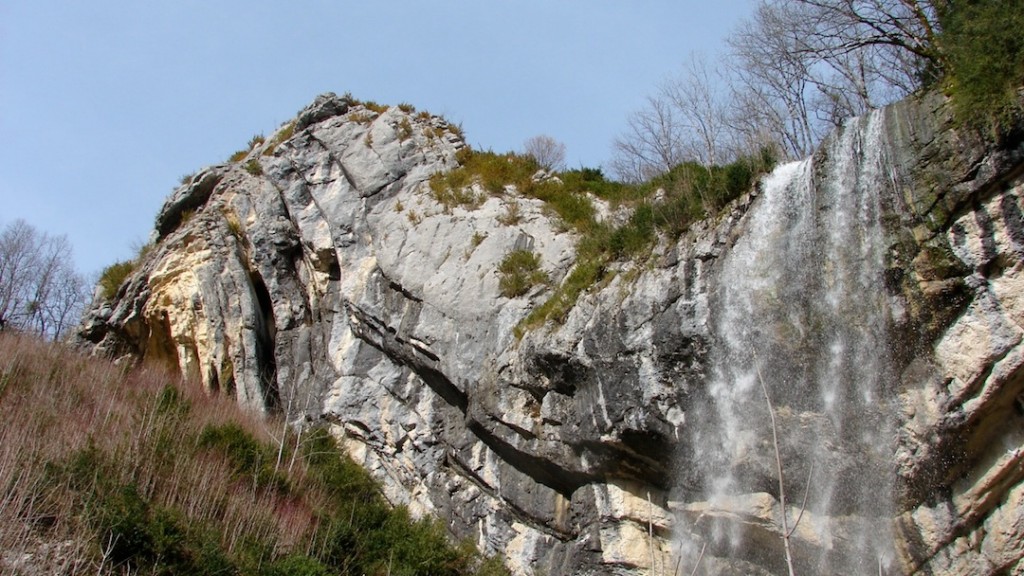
113 276
256 141
519 272
375 107
477 239
238 156
512 215
463 196
360 118
404 130
143 250
187 178
234 224
253 167
406 107
283 134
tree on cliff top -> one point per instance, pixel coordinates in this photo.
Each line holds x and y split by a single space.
798 68
546 151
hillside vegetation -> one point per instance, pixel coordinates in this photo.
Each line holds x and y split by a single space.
666 205
109 470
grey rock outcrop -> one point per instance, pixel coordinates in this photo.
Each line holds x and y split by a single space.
321 278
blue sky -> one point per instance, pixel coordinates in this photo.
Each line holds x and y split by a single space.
105 104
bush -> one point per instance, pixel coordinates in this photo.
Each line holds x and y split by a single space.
252 461
296 565
592 180
635 236
492 171
584 274
687 193
451 197
113 276
690 192
130 530
253 167
520 271
375 107
984 47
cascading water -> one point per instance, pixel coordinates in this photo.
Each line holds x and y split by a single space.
801 309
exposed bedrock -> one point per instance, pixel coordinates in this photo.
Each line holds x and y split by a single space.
320 278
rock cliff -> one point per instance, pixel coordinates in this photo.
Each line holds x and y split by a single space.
319 277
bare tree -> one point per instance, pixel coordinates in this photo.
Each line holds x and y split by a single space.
40 291
697 97
802 66
652 143
772 94
16 264
687 120
546 151
900 35
797 69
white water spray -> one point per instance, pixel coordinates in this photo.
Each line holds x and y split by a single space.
802 299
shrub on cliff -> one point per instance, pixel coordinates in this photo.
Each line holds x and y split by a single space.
520 271
984 48
113 276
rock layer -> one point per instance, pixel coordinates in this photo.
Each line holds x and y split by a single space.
319 277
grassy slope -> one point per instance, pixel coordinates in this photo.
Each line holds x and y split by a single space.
107 470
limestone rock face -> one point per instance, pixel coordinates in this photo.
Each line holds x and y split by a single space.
320 277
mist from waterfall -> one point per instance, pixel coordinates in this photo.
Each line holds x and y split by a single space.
801 306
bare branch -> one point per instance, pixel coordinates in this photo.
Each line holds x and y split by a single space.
803 505
778 469
699 557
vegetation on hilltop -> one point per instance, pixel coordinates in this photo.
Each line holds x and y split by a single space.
983 51
667 204
115 471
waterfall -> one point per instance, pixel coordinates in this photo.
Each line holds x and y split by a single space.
801 307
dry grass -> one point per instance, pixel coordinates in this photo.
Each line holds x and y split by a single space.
111 470
56 404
